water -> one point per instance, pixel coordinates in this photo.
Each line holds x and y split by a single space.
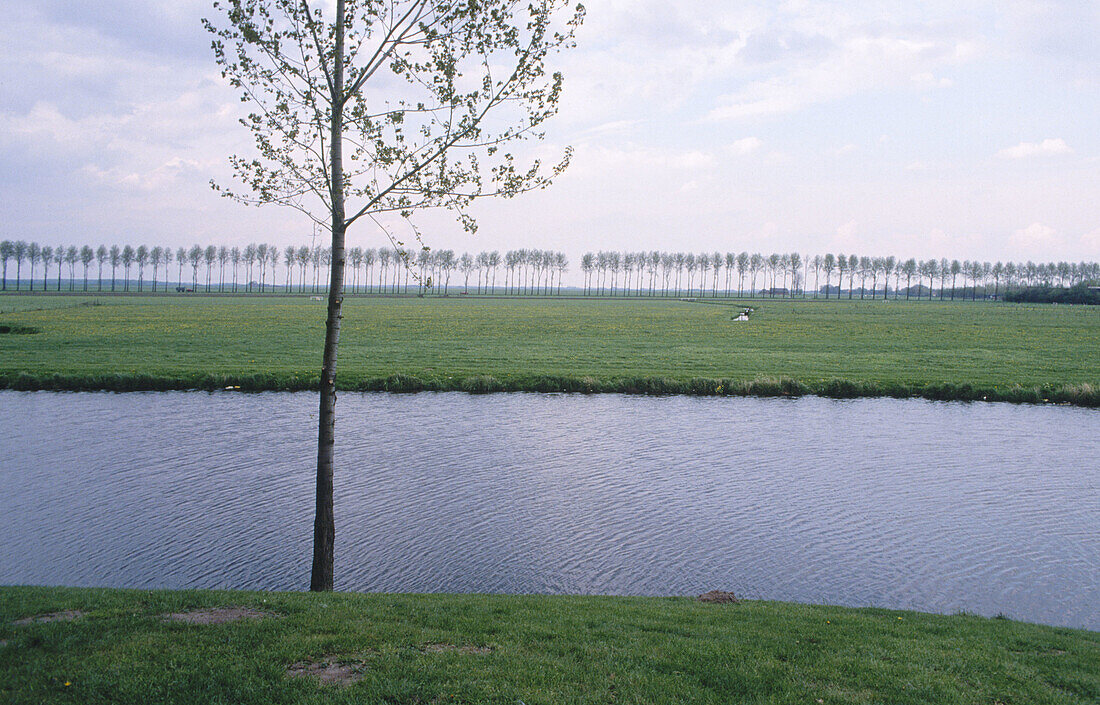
988 508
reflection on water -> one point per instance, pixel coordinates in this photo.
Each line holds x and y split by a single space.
988 508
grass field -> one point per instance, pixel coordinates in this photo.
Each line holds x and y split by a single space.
524 649
838 348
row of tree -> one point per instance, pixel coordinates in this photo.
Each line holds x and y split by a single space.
381 270
714 274
531 271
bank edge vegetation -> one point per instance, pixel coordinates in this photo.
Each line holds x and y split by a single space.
531 272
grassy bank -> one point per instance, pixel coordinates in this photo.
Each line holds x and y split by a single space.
835 348
118 647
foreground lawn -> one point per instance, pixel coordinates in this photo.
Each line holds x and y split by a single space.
516 342
120 648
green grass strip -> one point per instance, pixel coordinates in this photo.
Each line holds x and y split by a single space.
117 646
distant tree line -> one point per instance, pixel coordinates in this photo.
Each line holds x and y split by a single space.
715 274
267 268
1077 294
370 270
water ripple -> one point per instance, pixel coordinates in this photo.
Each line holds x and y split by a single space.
988 508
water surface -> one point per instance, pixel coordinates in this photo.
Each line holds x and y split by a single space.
988 508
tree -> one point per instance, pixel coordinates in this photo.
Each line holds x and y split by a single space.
127 258
7 251
46 253
209 256
756 262
223 258
303 262
86 257
315 260
59 258
888 265
561 263
181 259
194 258
370 256
115 258
290 255
141 256
998 273
34 253
428 145
235 260
19 252
166 259
249 260
261 260
795 265
273 259
71 256
154 258
841 269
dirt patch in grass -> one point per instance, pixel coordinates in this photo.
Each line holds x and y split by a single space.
718 597
217 615
452 649
64 616
336 672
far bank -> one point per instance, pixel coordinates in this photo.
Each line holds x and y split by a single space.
964 351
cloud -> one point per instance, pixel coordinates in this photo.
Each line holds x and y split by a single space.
1091 242
608 128
1046 148
1036 238
847 236
861 59
746 145
927 80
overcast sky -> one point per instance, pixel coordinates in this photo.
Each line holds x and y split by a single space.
948 128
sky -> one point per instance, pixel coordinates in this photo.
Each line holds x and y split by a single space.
962 129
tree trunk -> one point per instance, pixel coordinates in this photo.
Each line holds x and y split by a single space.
324 528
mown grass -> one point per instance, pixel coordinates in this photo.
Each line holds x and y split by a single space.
532 649
997 351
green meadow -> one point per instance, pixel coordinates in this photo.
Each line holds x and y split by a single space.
1014 352
120 646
